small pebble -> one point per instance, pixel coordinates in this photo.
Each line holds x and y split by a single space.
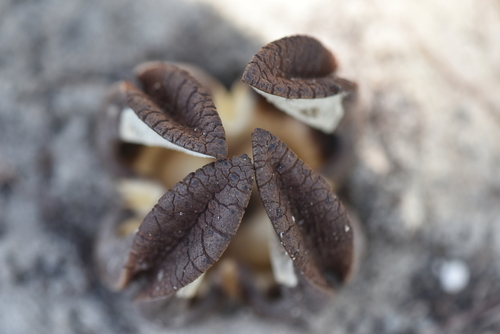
454 275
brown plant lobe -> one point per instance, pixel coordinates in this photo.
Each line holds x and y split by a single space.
309 219
190 227
108 139
178 108
297 67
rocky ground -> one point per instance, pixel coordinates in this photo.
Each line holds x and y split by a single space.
426 184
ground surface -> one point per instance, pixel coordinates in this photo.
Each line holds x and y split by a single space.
426 184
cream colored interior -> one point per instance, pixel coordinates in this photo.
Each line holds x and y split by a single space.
255 244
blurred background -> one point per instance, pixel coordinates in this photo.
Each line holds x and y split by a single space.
426 184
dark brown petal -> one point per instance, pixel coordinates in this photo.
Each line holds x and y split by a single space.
297 67
296 305
175 312
339 149
190 227
111 248
108 141
178 108
307 216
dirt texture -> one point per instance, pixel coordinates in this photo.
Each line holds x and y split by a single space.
426 184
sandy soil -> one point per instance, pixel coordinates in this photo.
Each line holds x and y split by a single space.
426 184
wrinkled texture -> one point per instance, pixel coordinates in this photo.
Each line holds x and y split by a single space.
178 108
190 227
296 67
307 216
